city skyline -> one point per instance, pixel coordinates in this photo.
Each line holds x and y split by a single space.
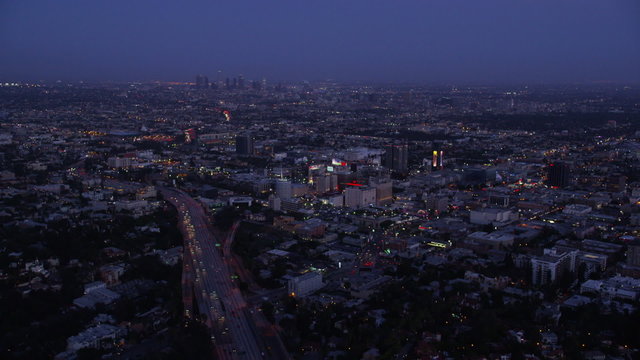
496 42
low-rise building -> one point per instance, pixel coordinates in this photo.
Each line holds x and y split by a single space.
305 284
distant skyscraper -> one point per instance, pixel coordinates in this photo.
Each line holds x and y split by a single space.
244 144
219 79
202 82
396 157
558 175
241 82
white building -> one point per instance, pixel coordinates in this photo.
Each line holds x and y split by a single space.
356 197
549 267
335 200
325 183
489 216
275 203
620 287
306 284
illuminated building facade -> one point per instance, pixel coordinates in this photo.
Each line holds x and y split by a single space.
437 160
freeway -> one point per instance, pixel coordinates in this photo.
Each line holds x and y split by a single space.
207 280
270 334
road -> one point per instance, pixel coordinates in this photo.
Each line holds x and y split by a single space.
207 280
270 334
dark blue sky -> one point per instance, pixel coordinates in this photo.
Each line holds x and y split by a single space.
427 41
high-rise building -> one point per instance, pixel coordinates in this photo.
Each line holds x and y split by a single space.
284 189
244 144
552 265
202 82
396 157
558 175
359 196
274 202
325 183
384 189
219 79
241 82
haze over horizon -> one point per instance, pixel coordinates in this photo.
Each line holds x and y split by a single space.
495 41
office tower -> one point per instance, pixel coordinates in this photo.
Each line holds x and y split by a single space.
552 265
202 82
219 79
558 175
244 144
241 82
396 157
325 183
358 196
384 189
284 189
274 202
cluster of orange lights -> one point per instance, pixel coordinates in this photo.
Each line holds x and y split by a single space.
94 133
157 138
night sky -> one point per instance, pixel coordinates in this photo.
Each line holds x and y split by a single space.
419 41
